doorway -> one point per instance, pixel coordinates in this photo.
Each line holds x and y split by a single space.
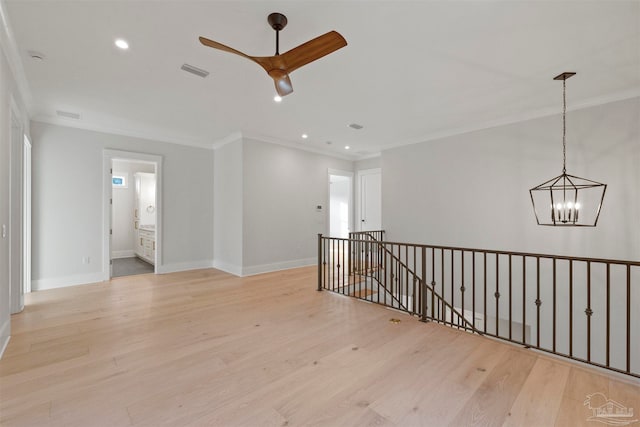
16 212
132 214
133 217
369 195
340 203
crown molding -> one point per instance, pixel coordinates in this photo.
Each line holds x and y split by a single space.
152 136
299 146
369 156
10 49
537 114
232 137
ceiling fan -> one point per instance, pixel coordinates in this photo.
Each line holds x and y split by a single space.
280 66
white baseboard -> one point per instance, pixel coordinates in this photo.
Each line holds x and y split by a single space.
227 267
128 253
184 266
5 336
62 282
266 268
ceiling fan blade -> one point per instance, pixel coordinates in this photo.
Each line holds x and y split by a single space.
312 50
267 62
220 46
282 81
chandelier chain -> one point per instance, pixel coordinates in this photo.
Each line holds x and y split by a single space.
564 126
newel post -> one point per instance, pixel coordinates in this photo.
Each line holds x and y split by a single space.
319 261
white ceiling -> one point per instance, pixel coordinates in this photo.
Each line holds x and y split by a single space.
412 71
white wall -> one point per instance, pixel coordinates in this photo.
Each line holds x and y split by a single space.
471 190
370 163
227 217
67 203
282 188
8 91
123 239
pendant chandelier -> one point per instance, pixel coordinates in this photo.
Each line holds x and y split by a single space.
567 200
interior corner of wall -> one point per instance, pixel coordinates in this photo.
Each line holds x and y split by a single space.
227 267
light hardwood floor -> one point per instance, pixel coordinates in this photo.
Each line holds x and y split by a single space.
207 348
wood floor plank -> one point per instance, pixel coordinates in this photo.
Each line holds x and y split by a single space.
545 385
207 348
490 404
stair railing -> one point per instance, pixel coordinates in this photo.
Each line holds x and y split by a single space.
585 309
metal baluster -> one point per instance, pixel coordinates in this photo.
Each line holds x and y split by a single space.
433 282
538 302
497 295
452 290
524 299
473 289
484 271
628 318
443 314
406 272
333 264
345 283
554 305
570 308
588 311
510 298
608 290
462 286
423 287
415 268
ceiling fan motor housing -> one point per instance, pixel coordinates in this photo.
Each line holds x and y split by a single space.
277 21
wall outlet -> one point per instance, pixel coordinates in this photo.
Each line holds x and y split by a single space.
4 231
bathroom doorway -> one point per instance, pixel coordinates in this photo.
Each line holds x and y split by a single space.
132 213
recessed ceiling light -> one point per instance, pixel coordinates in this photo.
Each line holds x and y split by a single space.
305 136
277 98
346 147
122 44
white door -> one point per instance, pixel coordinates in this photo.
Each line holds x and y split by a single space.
340 205
370 199
26 216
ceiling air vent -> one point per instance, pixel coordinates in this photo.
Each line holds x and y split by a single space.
68 115
36 56
194 70
355 126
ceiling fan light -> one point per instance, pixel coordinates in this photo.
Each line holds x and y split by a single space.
277 98
122 44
